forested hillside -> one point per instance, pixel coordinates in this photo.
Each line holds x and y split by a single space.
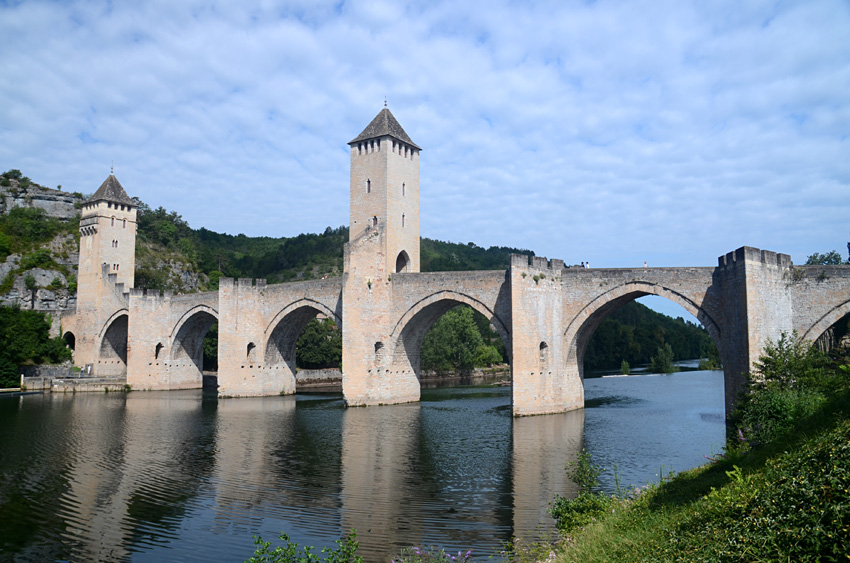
635 332
306 256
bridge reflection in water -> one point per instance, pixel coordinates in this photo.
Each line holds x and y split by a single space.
177 475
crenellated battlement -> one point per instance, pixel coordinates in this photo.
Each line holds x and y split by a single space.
537 262
750 254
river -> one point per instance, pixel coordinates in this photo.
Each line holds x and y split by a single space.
184 476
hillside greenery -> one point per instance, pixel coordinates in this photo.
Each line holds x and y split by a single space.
306 256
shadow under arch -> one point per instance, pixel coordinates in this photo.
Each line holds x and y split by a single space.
826 321
410 330
281 334
113 338
581 328
187 337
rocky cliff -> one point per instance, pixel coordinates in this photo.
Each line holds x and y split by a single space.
41 276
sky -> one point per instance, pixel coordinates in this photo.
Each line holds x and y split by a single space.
608 132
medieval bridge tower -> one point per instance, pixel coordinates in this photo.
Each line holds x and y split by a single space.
105 274
544 311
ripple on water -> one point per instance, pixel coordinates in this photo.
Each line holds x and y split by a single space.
183 477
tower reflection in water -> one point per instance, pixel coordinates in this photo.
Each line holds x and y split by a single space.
181 476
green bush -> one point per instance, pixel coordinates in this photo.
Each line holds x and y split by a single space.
5 246
487 355
662 361
790 362
796 509
39 258
625 368
572 514
319 345
289 552
25 338
790 381
29 282
8 374
773 412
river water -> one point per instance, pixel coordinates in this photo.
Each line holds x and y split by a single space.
183 476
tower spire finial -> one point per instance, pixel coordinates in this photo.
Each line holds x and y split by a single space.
385 101
112 168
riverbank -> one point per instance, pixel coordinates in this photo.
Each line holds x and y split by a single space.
787 501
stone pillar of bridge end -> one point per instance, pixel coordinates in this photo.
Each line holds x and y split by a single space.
541 379
370 376
757 308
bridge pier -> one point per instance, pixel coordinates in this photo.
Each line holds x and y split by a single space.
545 379
375 371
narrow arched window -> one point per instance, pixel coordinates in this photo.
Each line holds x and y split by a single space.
402 220
368 186
402 189
124 226
375 221
113 221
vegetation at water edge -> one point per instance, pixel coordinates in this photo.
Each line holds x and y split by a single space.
780 492
25 338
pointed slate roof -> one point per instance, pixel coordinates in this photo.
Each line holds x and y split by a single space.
384 124
111 190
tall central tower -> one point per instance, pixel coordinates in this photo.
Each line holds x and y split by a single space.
385 190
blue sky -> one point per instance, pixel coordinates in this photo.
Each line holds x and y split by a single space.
611 132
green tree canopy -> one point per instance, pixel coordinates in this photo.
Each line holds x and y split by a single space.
831 258
25 338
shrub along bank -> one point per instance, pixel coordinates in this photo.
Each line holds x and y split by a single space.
781 492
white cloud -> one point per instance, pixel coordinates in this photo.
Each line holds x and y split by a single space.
614 132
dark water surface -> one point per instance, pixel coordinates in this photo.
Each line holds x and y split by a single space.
183 476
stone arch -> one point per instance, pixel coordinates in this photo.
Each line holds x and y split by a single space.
282 332
581 328
113 341
826 321
402 262
187 337
410 330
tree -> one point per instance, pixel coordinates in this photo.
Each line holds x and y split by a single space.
831 258
662 361
25 338
453 343
319 346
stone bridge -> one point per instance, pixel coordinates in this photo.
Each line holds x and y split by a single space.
546 313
